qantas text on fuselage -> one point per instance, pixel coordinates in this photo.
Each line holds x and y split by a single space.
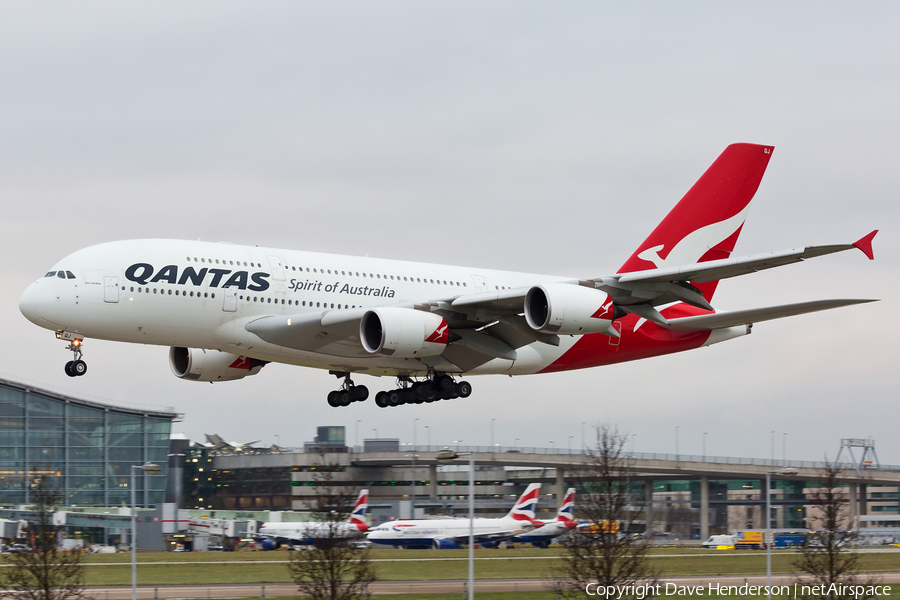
227 310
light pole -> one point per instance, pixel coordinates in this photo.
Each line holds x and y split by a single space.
356 441
784 472
569 450
704 446
582 436
149 469
633 435
773 447
376 433
677 453
516 443
492 434
412 506
447 456
784 447
428 432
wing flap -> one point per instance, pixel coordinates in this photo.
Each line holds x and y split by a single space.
755 315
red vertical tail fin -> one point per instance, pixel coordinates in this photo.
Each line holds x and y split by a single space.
706 223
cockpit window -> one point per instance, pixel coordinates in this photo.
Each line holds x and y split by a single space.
70 275
50 274
61 274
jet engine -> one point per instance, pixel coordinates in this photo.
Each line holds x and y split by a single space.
566 309
445 545
269 544
211 365
403 332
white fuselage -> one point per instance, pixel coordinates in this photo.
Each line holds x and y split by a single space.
311 530
425 531
201 295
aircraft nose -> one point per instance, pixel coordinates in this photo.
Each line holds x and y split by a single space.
29 303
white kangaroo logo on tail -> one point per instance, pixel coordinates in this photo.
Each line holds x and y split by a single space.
695 244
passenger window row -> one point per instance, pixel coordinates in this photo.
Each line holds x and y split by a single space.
223 262
259 299
162 292
375 276
262 300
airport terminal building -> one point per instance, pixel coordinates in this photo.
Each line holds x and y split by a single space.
87 446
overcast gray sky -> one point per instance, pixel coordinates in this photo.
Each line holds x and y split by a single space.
535 136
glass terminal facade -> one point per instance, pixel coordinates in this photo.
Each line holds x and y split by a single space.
89 447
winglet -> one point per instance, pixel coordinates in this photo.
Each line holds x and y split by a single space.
865 244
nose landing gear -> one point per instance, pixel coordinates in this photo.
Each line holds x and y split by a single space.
77 367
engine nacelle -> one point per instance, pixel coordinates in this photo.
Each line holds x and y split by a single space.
269 544
568 309
403 332
210 365
445 545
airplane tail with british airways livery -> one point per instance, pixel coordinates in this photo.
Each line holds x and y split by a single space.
525 508
359 517
225 311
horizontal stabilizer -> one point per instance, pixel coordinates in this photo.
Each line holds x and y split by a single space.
722 320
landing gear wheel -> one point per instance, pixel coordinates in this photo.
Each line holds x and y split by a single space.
359 394
394 398
428 391
464 388
345 398
381 400
79 367
334 399
444 383
69 370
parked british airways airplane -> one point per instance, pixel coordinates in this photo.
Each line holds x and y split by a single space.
227 310
451 533
308 533
564 522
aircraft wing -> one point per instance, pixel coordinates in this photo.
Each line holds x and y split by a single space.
721 320
488 325
732 267
330 332
639 291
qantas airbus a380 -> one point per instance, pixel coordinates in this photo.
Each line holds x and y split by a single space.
226 310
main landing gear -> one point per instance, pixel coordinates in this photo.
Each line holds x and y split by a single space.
441 387
348 394
77 367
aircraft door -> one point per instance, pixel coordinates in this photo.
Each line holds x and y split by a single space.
480 286
230 300
277 268
110 289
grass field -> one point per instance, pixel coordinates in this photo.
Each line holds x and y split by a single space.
165 568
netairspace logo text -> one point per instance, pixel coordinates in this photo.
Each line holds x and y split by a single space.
640 592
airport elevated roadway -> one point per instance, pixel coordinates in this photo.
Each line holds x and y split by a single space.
555 465
641 465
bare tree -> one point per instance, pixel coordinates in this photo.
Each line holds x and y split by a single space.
828 559
333 567
45 572
606 552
